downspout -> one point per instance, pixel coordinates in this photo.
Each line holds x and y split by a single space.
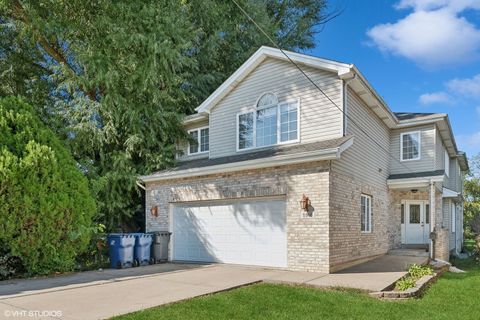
345 102
141 186
433 219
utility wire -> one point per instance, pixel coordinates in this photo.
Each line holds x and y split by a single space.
316 86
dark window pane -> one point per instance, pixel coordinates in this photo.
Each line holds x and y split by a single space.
414 213
402 213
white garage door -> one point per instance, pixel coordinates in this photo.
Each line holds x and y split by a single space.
241 232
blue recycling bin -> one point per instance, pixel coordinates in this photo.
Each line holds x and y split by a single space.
141 252
121 250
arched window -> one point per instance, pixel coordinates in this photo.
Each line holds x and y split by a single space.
268 99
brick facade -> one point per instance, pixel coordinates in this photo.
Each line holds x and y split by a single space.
347 242
307 237
329 240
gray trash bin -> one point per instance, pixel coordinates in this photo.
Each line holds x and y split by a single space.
159 247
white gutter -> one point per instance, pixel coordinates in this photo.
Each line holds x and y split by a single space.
433 213
447 193
345 102
325 154
413 182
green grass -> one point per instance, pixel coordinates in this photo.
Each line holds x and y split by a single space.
453 296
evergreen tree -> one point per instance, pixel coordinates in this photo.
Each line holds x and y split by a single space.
115 78
46 208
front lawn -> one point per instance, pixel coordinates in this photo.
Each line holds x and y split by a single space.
454 296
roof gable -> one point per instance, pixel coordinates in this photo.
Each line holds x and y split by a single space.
255 60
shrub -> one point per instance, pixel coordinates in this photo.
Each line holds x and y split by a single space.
405 283
46 208
415 272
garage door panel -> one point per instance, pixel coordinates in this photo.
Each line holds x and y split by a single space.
242 232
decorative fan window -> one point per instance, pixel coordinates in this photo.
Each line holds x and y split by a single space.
268 99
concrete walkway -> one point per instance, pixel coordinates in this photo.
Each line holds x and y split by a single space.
103 294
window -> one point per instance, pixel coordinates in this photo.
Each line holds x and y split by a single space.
427 213
402 213
414 214
454 217
366 214
288 122
447 163
268 124
266 131
410 146
202 140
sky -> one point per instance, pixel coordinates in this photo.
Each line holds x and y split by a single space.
419 55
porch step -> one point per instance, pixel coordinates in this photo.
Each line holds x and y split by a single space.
408 252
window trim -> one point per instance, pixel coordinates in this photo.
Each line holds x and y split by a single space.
419 133
253 110
199 141
446 162
369 216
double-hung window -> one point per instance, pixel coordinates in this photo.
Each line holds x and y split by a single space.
366 213
201 141
410 146
269 124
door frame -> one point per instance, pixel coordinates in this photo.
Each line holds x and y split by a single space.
424 225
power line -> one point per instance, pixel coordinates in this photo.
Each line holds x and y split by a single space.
316 86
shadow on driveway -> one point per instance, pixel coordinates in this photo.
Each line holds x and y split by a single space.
20 287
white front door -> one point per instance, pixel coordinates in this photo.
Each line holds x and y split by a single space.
416 229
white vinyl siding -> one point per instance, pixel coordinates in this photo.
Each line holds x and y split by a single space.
365 160
318 118
447 163
427 151
410 146
366 214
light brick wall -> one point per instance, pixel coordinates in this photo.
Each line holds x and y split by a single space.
442 247
347 243
307 237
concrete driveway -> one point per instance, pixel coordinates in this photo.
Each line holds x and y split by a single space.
99 295
104 294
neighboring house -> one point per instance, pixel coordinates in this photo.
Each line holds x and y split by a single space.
375 180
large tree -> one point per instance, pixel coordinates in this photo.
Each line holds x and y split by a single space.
472 197
115 78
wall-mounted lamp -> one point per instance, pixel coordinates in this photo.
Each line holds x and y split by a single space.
414 190
154 211
305 203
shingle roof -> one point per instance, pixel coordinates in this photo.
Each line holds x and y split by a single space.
411 115
264 153
417 174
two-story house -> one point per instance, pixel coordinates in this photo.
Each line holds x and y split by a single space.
281 174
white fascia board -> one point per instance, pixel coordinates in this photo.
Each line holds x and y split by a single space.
420 121
195 118
325 154
258 57
328 154
413 182
447 193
